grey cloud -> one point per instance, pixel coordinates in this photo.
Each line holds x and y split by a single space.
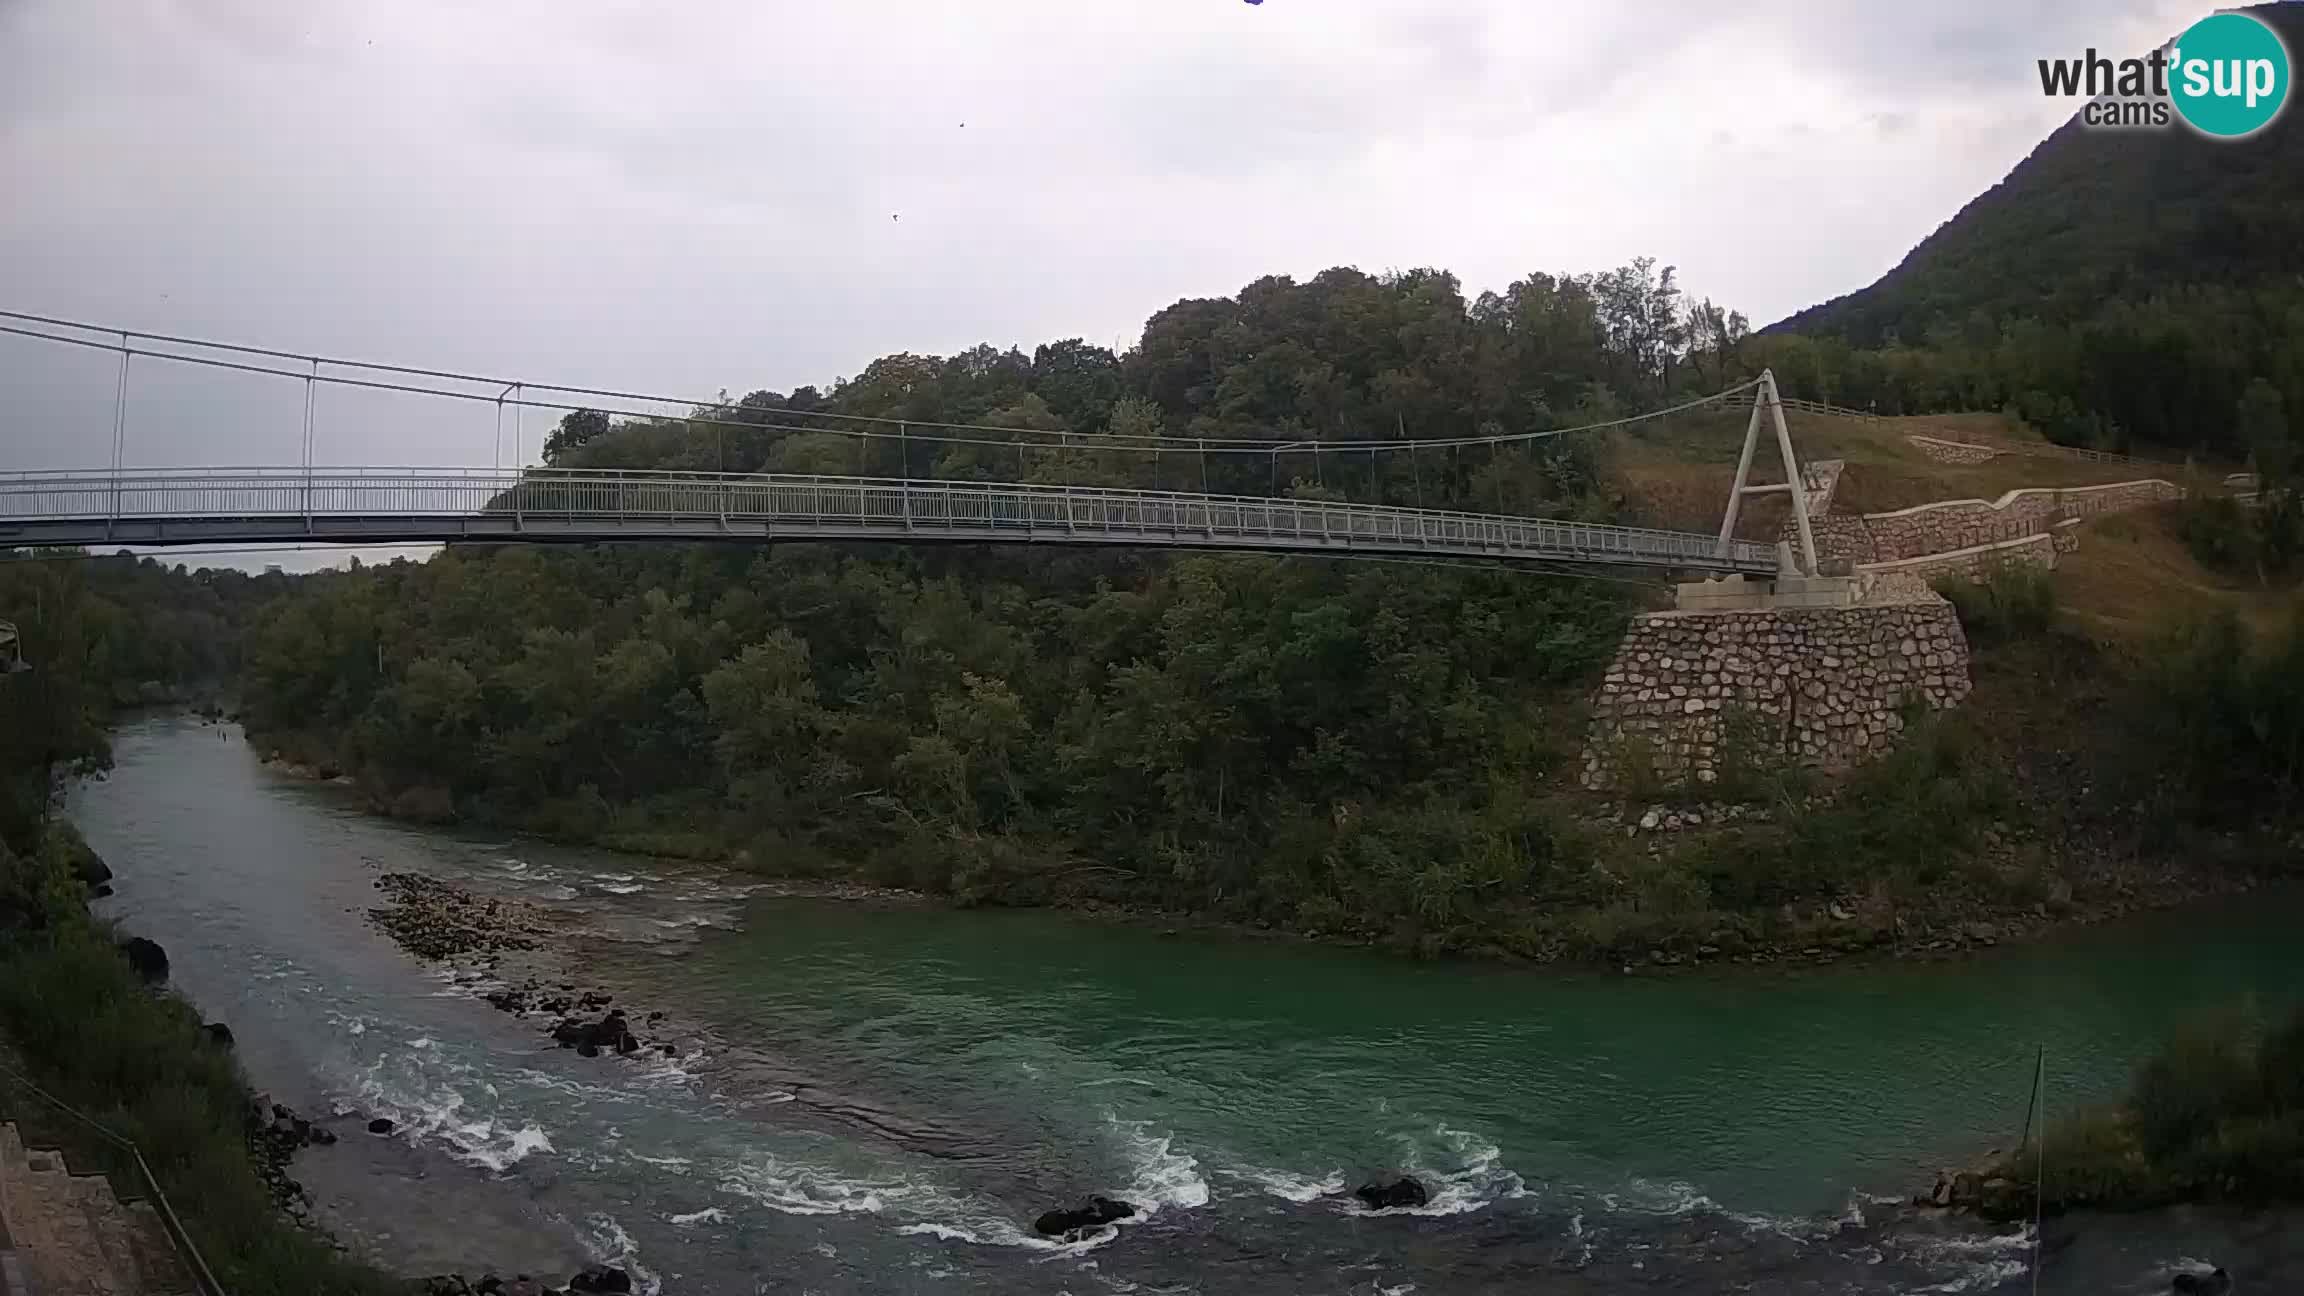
694 196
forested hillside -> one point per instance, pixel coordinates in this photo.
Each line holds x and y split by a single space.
2121 288
100 633
1316 743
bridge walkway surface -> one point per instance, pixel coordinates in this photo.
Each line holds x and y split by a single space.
381 505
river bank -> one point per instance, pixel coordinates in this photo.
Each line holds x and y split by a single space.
881 1098
2001 896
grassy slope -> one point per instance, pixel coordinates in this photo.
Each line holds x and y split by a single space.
2132 579
1677 471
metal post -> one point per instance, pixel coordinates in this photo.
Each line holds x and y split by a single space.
119 434
309 382
1791 472
1743 474
1203 465
904 453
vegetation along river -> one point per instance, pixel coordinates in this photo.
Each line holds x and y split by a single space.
876 1097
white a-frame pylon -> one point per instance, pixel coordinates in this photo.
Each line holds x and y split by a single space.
1765 401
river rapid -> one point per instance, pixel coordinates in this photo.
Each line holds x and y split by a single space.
879 1098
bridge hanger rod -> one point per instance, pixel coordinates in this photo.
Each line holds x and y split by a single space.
1011 436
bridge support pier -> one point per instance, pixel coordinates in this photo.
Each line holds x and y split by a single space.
1742 593
1767 676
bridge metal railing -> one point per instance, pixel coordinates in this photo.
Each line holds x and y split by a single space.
610 502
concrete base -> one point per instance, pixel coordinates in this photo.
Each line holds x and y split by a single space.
1740 593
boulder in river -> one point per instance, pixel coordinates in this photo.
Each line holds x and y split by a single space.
146 956
601 1278
1403 1191
1098 1212
380 1125
610 1034
87 865
218 1034
2216 1283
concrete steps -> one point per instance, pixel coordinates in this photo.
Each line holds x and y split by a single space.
72 1236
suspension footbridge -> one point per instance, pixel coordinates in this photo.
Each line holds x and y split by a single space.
310 503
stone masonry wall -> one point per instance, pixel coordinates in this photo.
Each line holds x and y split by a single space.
1962 524
1823 686
1952 452
1974 562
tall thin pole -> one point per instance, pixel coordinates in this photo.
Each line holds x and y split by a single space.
1204 465
119 432
1743 473
2039 1159
310 385
1798 487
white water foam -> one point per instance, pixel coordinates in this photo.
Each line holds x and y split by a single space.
622 888
708 1215
1982 1260
1288 1186
1983 1277
995 1231
1471 1175
1676 1198
424 1111
611 1245
808 1190
1160 1175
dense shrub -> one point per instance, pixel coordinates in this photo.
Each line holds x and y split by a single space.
82 1022
2213 1113
2010 600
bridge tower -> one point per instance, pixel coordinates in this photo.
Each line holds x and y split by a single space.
1766 402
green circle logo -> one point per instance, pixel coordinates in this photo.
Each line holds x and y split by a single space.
2228 75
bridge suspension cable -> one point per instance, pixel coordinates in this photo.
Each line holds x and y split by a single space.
519 394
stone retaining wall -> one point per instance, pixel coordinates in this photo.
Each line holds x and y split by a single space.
1974 562
1925 529
1953 452
1822 686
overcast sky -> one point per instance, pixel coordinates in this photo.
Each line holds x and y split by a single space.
688 195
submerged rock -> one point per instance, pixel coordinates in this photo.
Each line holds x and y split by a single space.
381 1125
146 956
1403 1191
218 1034
2214 1283
1098 1212
601 1278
